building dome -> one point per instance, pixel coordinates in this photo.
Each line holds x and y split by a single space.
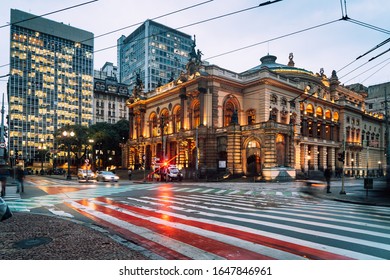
269 62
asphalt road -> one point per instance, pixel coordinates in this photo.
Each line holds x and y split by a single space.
234 220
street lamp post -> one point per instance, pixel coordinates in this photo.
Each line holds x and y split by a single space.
379 169
87 162
162 124
42 152
68 135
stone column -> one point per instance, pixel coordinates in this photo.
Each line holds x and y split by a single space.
234 161
183 97
202 92
332 158
131 123
323 157
304 150
314 157
298 162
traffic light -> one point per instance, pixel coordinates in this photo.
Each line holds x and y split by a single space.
341 156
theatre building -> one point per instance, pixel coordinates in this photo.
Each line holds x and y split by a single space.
272 122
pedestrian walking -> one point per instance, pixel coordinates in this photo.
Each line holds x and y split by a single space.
129 173
20 180
4 172
328 175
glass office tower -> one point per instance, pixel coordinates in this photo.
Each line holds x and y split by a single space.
50 84
155 52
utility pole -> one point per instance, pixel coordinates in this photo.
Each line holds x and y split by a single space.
387 139
342 169
2 136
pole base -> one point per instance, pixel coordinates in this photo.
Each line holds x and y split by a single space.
343 192
68 177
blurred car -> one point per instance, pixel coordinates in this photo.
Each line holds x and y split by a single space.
84 174
107 176
173 174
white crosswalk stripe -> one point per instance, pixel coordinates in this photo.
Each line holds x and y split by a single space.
237 224
17 204
11 193
200 222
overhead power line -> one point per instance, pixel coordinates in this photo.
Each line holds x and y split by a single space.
273 39
139 23
101 35
365 70
196 23
367 52
367 25
382 53
57 11
374 48
377 71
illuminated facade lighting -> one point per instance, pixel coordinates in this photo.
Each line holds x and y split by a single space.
51 81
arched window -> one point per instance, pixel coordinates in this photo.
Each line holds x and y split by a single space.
164 121
319 112
302 108
228 112
328 115
138 127
196 114
176 119
153 127
335 117
310 110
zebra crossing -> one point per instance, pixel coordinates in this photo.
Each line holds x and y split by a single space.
202 222
236 226
16 203
11 193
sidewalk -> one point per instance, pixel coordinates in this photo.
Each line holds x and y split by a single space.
28 236
354 192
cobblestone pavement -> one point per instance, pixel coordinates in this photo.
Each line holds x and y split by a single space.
28 236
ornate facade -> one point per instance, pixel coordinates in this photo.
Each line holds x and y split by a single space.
275 122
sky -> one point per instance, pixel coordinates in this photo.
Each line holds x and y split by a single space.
310 29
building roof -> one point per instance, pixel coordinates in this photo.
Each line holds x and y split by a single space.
269 62
53 28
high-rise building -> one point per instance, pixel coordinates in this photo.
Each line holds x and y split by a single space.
50 84
154 52
109 96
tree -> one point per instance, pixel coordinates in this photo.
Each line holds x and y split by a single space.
107 138
77 143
